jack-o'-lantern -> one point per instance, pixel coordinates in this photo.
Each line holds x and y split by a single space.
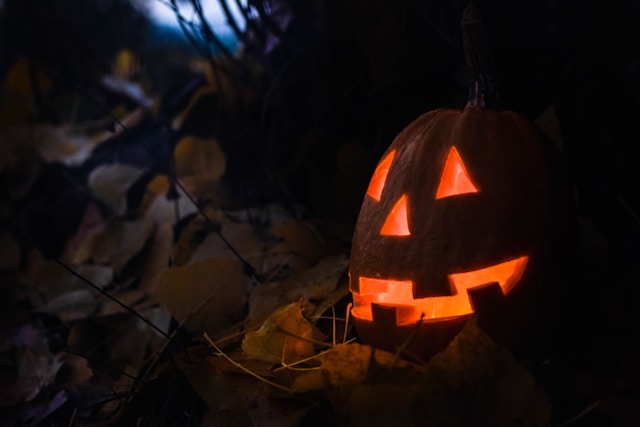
463 215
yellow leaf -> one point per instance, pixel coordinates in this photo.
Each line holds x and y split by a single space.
200 157
282 337
219 82
207 295
18 93
125 65
241 236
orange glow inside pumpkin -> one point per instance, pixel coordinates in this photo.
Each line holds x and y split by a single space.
397 223
376 185
455 178
399 293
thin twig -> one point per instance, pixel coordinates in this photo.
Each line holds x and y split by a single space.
247 267
95 287
97 362
593 405
243 369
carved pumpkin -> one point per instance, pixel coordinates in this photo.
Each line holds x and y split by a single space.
463 215
467 212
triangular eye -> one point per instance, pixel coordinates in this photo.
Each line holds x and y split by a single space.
455 178
396 223
376 185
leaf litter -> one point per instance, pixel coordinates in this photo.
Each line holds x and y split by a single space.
173 297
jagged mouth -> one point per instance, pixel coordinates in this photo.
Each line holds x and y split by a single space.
399 293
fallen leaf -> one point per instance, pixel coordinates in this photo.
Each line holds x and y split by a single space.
75 250
316 283
472 382
216 83
75 371
125 87
54 144
162 210
110 184
282 338
157 258
207 296
73 305
202 158
240 236
19 92
348 365
235 398
116 244
53 280
26 371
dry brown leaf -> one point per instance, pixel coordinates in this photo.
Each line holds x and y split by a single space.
162 210
348 365
241 236
316 283
321 279
217 83
72 305
75 371
77 246
54 144
202 158
132 90
133 298
477 382
53 289
207 295
158 186
157 259
120 241
472 382
129 342
282 338
235 398
268 297
200 163
27 370
18 103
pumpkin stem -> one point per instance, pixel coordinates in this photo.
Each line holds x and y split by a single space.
482 84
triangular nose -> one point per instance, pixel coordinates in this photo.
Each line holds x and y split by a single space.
455 178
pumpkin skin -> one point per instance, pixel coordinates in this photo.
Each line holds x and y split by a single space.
510 207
